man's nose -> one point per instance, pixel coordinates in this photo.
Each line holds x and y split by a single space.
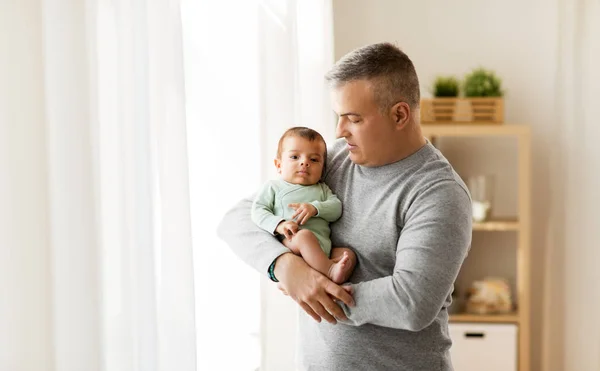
340 130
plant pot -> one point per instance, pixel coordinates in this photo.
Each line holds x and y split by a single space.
462 111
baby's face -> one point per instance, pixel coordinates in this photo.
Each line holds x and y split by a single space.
301 160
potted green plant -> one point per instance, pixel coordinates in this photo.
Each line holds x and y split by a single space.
482 102
482 83
441 108
445 86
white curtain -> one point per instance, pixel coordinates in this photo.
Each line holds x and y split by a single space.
250 74
572 325
95 200
120 237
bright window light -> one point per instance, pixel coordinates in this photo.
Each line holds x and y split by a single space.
222 108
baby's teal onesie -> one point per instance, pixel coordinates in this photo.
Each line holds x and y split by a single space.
270 207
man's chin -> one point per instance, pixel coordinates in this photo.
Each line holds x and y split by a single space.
355 158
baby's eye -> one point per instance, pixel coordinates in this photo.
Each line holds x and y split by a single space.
314 159
294 157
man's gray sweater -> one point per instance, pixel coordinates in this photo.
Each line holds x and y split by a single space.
409 223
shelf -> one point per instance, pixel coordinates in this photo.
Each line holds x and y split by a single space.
518 224
472 130
485 318
497 225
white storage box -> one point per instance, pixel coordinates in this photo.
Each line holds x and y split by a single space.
483 347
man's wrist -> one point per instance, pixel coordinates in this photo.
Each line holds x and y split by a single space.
278 266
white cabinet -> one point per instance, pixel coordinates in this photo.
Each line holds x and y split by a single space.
479 347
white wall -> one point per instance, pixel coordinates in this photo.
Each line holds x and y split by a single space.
25 339
517 39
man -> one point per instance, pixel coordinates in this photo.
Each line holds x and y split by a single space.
406 214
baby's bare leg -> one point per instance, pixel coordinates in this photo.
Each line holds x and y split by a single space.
305 244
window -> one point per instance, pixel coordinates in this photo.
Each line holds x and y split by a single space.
222 108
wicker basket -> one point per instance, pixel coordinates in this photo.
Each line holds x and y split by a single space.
462 110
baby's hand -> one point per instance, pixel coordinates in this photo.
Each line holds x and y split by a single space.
288 229
303 212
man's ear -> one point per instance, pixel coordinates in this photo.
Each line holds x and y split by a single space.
400 113
277 163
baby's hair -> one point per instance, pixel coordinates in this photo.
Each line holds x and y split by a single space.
302 132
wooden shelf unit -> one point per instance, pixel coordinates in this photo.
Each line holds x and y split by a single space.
479 318
497 225
521 226
473 130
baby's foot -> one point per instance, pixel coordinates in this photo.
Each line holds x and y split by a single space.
340 270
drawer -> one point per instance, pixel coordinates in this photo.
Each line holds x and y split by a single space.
489 347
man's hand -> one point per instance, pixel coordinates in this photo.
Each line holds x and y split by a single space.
346 287
314 292
288 229
304 211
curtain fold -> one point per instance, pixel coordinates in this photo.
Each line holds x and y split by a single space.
121 251
571 326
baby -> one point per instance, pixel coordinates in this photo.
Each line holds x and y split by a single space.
298 207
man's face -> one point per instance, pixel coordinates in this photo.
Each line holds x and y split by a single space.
301 160
367 131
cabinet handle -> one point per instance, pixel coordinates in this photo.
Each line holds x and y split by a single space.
474 335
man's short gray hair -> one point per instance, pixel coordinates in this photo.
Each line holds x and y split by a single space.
389 68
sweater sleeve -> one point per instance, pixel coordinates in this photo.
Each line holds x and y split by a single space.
263 209
331 208
255 246
431 249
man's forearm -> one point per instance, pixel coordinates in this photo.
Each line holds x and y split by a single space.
253 245
413 296
393 302
282 263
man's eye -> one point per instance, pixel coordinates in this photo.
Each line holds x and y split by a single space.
294 157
